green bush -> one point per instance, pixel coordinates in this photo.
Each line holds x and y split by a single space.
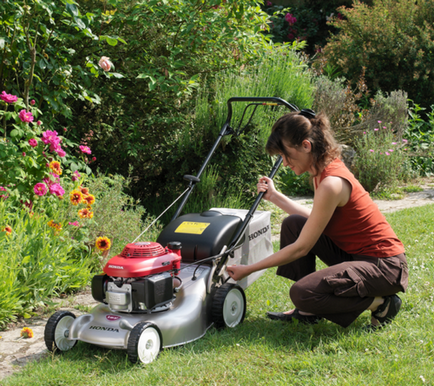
393 40
381 161
37 262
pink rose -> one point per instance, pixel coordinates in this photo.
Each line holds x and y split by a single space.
8 98
94 159
290 19
57 190
40 189
85 149
50 137
39 123
25 116
24 154
61 153
32 102
76 176
33 142
105 63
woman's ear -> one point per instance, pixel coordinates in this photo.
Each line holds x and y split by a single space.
306 145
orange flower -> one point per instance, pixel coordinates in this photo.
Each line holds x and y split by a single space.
83 190
7 229
85 213
76 197
103 243
89 198
55 167
57 226
27 332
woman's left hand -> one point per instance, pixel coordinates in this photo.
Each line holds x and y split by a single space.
238 272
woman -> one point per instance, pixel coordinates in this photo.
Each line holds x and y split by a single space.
345 229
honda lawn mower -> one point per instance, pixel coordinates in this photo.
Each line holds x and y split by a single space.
167 293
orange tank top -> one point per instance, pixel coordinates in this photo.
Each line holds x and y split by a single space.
358 227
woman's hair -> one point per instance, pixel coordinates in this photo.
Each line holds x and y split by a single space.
293 128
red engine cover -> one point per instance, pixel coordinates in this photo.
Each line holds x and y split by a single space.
143 259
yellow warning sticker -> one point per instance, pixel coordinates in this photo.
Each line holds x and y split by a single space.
193 228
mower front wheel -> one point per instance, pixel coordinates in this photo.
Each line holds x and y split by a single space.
228 306
145 343
57 331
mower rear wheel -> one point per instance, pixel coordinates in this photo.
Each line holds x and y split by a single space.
144 343
57 331
228 306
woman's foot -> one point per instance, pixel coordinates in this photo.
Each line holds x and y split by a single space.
289 316
386 312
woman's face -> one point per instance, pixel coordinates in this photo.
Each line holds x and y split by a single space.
298 159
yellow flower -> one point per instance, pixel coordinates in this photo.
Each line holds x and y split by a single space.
84 190
27 332
7 229
55 225
89 198
55 167
103 243
85 213
76 197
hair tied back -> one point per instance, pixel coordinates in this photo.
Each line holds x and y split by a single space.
308 113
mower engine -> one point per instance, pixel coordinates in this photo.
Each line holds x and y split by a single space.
140 279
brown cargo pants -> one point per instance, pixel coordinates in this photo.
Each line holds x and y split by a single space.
341 292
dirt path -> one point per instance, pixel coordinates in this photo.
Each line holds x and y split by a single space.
15 352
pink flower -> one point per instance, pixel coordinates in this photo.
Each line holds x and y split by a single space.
371 150
65 129
76 176
61 153
393 143
94 159
105 63
75 223
404 140
33 142
25 116
39 123
269 3
290 19
40 189
50 137
8 98
364 132
85 149
376 129
57 190
2 189
379 121
24 154
32 102
387 153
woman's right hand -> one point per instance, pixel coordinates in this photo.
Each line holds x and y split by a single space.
266 185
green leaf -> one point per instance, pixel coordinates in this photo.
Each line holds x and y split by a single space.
14 133
113 42
72 9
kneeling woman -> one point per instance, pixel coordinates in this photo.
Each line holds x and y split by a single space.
345 229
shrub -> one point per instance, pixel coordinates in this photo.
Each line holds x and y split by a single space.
381 161
393 40
420 136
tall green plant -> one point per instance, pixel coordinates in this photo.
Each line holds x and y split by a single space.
381 162
393 40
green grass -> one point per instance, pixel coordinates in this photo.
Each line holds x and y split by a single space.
265 352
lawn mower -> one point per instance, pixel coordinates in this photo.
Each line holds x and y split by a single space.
155 295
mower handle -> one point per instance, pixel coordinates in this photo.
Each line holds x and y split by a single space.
227 130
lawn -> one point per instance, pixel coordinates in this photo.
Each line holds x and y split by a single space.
265 352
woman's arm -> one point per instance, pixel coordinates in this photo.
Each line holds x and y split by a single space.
332 192
266 184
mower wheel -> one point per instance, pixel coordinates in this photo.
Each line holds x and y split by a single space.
144 343
57 331
228 306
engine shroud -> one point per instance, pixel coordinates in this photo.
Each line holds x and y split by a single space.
143 259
